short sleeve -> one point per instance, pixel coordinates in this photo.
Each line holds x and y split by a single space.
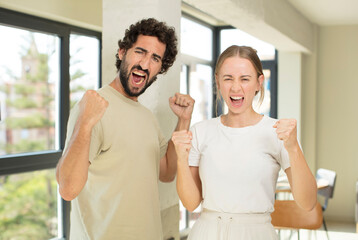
284 159
95 141
71 124
163 144
194 154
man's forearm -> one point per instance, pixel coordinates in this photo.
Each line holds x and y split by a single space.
183 124
72 169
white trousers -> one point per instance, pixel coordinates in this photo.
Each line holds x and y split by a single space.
226 226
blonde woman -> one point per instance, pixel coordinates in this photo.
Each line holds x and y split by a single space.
230 164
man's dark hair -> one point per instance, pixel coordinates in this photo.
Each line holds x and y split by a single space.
151 27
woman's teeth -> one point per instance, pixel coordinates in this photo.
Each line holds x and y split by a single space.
236 98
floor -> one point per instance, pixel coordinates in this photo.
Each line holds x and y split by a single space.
336 231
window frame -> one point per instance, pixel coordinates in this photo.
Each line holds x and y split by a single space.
190 62
33 161
272 66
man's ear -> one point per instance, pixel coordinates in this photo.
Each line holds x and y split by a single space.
121 53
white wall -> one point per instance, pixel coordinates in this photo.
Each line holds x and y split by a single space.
337 114
117 17
309 105
322 96
274 21
82 13
289 87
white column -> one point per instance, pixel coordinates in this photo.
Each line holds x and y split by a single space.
289 87
118 15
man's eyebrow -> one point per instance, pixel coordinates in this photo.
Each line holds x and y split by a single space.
157 56
144 50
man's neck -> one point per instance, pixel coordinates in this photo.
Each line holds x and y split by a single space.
116 84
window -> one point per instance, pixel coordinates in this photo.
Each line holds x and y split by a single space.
197 71
200 86
43 66
29 79
84 62
233 36
196 79
28 205
192 35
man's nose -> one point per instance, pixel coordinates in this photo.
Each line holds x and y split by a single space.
145 62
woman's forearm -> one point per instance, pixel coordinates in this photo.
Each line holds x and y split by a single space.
303 183
188 190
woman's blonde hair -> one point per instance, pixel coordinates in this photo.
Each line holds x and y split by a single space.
243 52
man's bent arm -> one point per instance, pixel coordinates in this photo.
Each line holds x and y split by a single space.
72 169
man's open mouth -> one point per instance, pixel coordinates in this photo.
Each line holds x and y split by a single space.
138 77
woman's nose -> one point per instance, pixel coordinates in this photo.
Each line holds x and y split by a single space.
236 86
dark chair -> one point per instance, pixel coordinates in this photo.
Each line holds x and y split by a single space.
327 192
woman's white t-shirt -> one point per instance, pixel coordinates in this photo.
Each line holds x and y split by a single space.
238 167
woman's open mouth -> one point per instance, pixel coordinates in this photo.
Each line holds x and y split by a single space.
236 101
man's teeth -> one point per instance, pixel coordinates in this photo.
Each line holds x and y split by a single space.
139 74
236 98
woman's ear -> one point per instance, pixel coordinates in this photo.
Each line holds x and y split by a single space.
217 82
261 81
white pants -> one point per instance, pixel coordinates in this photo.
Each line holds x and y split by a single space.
226 226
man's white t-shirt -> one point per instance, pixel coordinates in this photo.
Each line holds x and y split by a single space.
238 167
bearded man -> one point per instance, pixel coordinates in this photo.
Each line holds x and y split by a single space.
115 152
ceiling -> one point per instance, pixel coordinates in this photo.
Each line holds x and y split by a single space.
328 12
320 12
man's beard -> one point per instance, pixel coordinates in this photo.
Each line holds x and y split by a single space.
124 77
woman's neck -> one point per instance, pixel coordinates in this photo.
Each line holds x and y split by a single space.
241 120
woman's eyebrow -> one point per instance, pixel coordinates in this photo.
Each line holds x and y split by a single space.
227 75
